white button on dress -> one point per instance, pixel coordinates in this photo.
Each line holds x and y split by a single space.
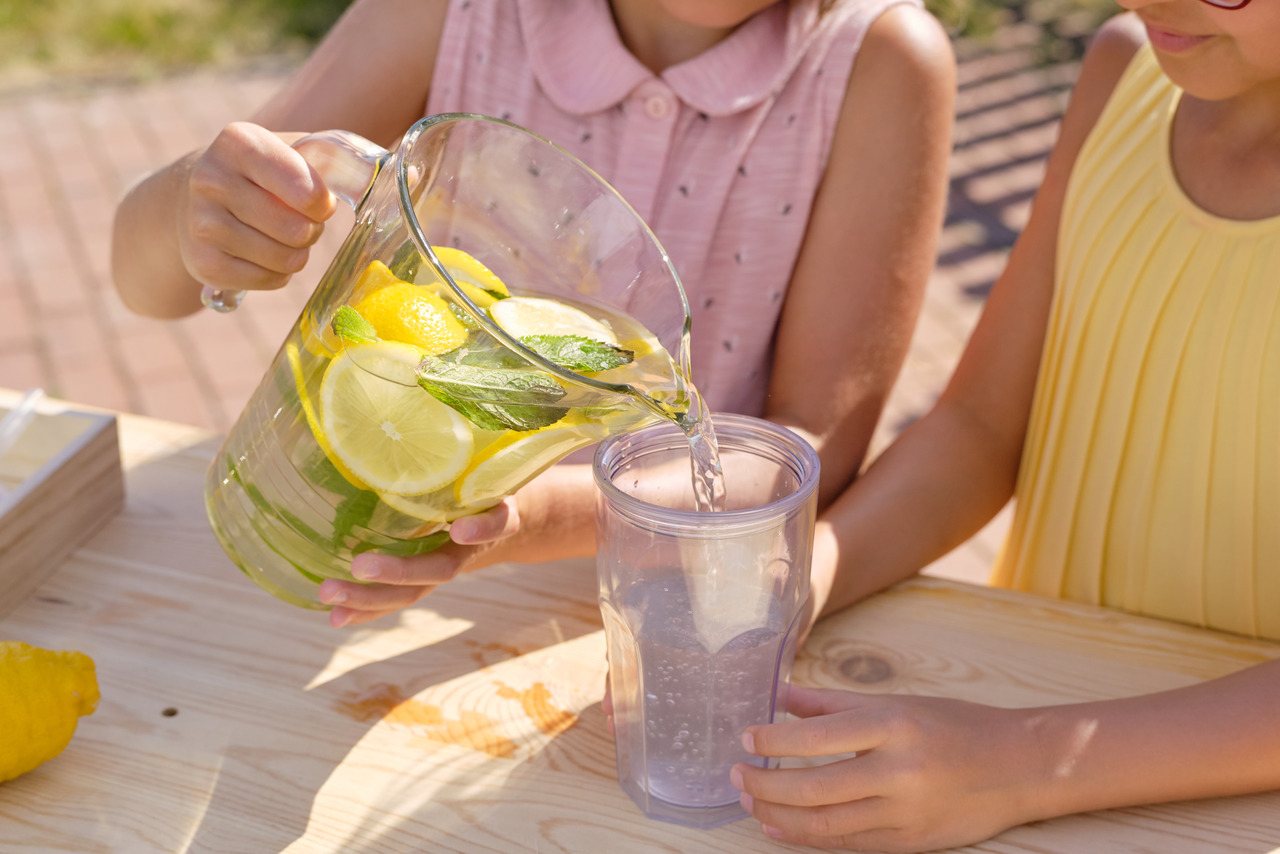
657 106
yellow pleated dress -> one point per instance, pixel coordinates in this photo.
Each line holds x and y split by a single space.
1150 479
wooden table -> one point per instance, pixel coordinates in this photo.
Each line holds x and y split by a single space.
231 722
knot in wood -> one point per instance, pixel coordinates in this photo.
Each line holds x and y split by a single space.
866 669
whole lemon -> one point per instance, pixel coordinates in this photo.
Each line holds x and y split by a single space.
43 694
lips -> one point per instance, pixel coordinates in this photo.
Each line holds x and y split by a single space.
1171 42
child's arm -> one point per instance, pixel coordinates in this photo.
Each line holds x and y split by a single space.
870 245
936 773
850 310
242 213
952 470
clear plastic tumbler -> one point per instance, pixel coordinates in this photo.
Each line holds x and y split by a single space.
701 609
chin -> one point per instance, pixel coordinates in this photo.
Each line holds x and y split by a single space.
1192 78
715 14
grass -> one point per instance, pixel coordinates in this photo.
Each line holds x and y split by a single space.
136 39
42 39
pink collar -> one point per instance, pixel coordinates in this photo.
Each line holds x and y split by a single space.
583 67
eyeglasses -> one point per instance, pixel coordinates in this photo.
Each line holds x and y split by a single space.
1227 4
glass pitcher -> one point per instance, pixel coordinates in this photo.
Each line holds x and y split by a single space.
496 306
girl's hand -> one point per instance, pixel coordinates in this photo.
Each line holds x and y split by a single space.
252 209
550 518
929 772
398 582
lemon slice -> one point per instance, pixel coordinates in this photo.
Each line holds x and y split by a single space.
641 347
524 316
475 280
388 431
313 421
508 463
432 507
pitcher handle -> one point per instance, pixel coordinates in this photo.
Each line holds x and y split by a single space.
347 162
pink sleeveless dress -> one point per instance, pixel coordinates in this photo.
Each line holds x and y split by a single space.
721 155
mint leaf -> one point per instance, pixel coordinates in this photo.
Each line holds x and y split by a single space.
350 325
578 353
494 398
352 512
405 262
270 511
406 548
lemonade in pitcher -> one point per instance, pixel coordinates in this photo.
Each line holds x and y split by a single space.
403 414
495 307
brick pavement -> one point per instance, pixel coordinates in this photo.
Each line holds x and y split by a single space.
65 157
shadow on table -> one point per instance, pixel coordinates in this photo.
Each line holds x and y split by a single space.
436 694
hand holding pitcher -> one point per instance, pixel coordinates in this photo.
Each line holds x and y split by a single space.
254 207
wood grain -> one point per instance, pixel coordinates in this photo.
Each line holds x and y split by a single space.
233 723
